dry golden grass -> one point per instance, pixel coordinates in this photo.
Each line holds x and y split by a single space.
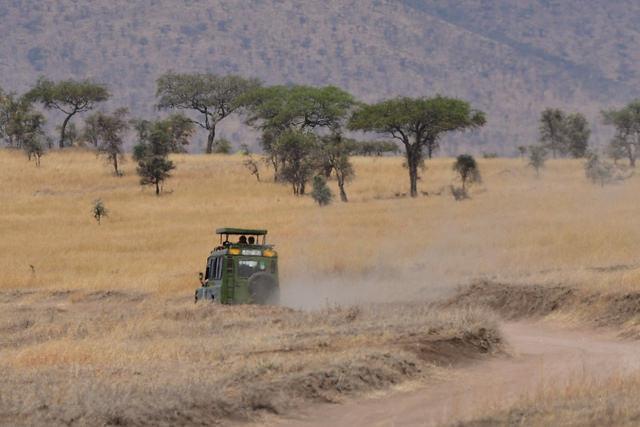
584 401
123 358
554 229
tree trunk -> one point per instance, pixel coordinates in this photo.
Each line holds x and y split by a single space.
326 169
343 195
210 138
631 155
115 164
63 129
412 164
157 188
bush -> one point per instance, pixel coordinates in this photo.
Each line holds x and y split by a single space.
99 210
537 157
321 193
458 193
468 172
222 146
601 172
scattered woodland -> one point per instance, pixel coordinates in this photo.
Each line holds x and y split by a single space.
302 129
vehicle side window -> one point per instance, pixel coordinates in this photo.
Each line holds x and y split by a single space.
212 268
218 269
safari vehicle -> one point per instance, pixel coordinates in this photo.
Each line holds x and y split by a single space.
243 269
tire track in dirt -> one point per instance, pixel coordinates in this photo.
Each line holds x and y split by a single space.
543 359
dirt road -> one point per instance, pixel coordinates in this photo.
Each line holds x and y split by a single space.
543 359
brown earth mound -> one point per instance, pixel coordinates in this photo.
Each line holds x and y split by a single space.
514 302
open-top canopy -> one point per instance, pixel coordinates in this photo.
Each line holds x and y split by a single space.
234 231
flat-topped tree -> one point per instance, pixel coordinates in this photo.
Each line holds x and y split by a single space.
303 107
288 117
68 96
214 97
417 123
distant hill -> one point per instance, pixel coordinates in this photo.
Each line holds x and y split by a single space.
510 60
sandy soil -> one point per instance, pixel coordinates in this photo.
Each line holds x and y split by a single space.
544 359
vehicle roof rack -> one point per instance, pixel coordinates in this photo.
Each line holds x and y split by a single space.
234 231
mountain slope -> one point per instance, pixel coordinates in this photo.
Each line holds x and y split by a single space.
511 61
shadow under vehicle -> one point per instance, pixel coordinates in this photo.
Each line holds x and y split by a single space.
242 271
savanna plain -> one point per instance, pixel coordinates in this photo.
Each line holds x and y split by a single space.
380 295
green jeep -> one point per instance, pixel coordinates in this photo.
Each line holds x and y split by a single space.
243 271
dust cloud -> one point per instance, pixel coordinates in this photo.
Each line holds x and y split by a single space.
450 259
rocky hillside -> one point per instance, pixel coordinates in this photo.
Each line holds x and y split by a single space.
510 60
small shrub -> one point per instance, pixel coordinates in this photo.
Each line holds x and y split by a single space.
601 172
99 210
222 146
252 165
458 193
321 193
34 149
537 157
467 169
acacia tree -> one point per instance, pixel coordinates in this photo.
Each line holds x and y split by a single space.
335 153
155 144
68 96
297 150
177 127
281 111
214 97
627 136
552 130
109 135
416 122
10 110
577 135
24 127
564 134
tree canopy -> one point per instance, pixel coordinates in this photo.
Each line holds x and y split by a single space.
467 169
282 107
214 97
627 137
68 96
417 123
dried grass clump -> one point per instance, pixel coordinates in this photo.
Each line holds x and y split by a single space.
129 358
584 402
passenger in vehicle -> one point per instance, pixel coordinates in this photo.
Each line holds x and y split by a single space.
252 240
243 240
